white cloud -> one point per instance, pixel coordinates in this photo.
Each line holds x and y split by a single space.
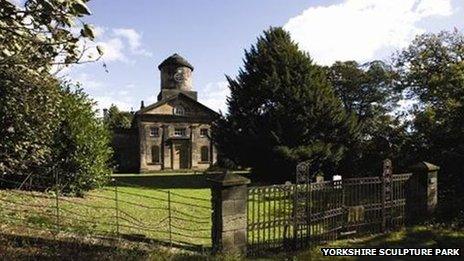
359 29
134 40
434 7
122 98
214 95
129 86
98 31
19 3
87 82
104 102
117 45
150 99
113 50
131 35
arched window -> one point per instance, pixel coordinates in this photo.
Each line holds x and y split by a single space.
155 154
204 154
179 110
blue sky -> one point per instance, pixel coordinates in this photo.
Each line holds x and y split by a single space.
138 35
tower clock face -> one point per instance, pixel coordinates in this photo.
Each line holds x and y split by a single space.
179 76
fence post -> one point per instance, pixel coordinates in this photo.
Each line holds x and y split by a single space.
386 194
117 205
57 199
170 218
296 215
229 201
422 194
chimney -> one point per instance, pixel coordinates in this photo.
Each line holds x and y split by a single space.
142 105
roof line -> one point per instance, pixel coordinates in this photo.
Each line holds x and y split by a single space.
156 104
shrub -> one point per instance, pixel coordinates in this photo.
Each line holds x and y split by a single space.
49 129
29 106
81 148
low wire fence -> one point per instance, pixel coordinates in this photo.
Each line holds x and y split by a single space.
118 210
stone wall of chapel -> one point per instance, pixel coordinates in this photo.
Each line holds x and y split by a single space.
147 142
168 109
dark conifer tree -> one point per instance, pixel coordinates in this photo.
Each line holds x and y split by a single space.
282 111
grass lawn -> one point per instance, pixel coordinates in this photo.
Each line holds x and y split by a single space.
142 210
413 237
21 248
85 228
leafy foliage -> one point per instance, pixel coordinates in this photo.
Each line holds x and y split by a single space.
116 119
81 148
432 69
29 106
42 33
48 130
282 110
371 91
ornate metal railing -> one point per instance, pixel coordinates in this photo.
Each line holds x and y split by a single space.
283 217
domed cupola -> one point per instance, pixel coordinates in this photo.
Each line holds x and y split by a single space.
176 77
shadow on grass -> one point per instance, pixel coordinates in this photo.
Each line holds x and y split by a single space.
414 237
15 247
172 180
178 245
193 181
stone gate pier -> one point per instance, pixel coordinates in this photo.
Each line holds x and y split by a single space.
229 218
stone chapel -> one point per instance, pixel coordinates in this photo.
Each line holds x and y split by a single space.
171 134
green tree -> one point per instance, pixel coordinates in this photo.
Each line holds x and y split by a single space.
81 151
42 33
432 71
116 119
371 91
282 110
29 109
47 128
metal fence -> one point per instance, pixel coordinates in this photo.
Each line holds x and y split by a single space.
115 211
279 217
283 217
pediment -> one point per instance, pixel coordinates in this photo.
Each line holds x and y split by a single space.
178 105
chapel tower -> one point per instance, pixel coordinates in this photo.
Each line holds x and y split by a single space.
174 132
176 77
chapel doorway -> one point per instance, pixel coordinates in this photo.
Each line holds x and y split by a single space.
181 155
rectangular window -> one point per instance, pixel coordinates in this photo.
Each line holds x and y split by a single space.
180 132
155 154
154 132
203 132
204 154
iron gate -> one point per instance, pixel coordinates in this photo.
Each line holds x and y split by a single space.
292 216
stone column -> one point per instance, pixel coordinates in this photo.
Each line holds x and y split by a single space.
193 147
422 192
229 201
165 147
211 148
143 147
163 142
